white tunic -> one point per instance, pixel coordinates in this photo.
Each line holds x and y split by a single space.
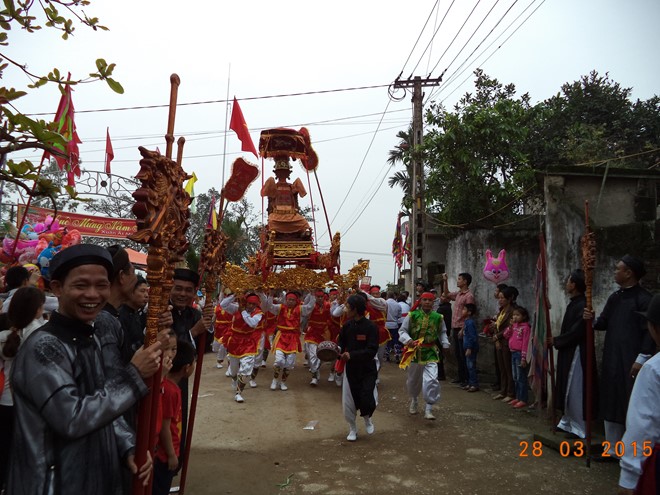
642 422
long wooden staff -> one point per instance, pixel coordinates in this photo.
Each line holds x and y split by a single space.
588 264
162 211
212 263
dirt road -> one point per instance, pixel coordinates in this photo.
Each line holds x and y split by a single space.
474 446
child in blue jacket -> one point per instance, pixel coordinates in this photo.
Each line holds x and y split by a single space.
471 346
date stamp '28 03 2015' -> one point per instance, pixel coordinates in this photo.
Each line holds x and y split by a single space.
577 448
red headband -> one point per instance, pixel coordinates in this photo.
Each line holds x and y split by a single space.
333 291
253 299
320 293
292 295
427 295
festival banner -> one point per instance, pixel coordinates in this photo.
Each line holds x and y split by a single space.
87 225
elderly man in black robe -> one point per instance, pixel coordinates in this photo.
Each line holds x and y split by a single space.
571 344
628 344
69 436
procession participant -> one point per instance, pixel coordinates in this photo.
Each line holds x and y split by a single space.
420 332
392 324
133 318
338 313
643 420
287 339
571 345
377 311
188 324
358 343
221 324
317 332
628 344
461 297
240 341
67 408
334 325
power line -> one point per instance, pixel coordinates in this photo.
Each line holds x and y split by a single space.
491 44
432 37
364 158
455 37
207 102
471 36
419 37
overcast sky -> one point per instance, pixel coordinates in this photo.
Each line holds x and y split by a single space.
265 48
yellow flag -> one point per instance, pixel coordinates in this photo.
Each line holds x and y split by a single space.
189 185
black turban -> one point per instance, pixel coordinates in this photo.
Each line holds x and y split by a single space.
77 255
635 264
186 275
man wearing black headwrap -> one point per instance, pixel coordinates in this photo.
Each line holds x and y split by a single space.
188 324
69 436
628 344
569 396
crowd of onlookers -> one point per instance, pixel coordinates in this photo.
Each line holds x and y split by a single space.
73 365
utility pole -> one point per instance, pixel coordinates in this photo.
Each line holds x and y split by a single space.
418 220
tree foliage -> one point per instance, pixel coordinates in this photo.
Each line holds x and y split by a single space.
481 157
477 169
17 131
240 224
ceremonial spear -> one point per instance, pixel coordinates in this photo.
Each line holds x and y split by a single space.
588 243
163 216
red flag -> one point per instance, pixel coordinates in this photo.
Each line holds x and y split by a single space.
397 243
243 173
109 153
67 128
238 125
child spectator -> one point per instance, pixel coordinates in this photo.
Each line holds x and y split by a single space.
518 336
167 450
471 346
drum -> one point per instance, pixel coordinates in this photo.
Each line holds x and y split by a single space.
327 351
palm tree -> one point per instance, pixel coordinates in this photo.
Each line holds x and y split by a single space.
402 178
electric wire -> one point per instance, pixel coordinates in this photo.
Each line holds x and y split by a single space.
207 102
454 39
470 38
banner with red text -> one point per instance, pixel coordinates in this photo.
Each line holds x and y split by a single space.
87 225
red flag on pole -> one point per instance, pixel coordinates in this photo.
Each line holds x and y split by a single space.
67 128
238 125
109 152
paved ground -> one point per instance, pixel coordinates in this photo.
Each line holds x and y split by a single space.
474 446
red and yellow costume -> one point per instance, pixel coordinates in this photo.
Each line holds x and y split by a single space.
222 323
288 330
317 327
243 340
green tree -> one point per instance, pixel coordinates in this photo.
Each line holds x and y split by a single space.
17 131
594 119
478 172
239 225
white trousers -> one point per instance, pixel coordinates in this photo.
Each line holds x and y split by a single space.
219 349
424 378
284 361
350 411
241 366
259 358
312 359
